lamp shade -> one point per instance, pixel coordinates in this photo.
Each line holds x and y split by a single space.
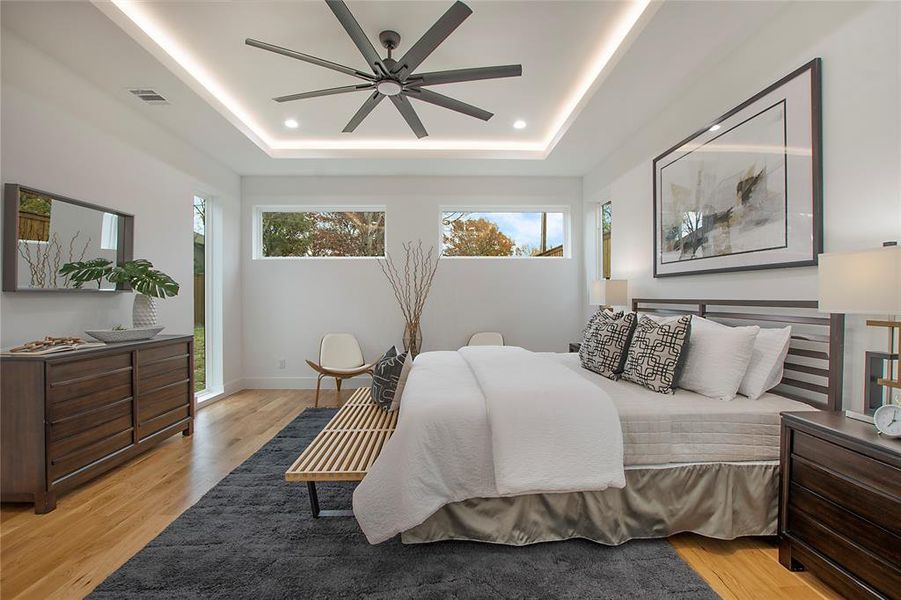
609 292
864 282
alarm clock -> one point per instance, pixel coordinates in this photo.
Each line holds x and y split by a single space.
887 419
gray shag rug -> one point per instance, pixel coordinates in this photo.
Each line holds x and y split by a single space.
252 536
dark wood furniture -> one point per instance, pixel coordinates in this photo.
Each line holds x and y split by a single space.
66 418
574 346
840 503
816 349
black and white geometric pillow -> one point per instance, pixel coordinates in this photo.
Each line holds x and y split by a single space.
657 353
601 313
606 343
385 375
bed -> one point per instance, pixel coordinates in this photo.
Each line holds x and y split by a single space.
688 463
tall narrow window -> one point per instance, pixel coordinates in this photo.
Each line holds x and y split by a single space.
200 295
605 222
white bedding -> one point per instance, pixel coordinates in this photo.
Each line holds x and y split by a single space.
485 422
686 427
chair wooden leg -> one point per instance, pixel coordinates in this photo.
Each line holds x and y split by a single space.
318 384
338 381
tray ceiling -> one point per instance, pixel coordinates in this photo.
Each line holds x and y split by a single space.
566 49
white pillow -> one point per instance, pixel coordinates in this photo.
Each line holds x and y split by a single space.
767 360
718 358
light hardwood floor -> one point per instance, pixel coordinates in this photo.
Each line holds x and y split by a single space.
96 528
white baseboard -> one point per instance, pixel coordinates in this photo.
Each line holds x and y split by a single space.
301 383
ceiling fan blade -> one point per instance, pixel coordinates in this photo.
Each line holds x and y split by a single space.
459 75
364 111
327 92
447 102
406 110
307 58
432 38
358 36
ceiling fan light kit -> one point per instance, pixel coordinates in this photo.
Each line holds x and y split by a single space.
396 79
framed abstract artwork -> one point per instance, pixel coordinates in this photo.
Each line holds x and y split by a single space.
746 191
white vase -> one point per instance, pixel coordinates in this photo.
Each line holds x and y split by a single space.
143 313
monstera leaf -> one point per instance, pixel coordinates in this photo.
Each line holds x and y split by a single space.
84 271
139 274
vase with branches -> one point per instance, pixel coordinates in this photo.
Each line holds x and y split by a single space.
411 278
139 274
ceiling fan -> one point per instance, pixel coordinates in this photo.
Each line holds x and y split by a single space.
397 79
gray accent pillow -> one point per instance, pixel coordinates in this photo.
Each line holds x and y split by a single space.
606 343
385 376
402 382
657 353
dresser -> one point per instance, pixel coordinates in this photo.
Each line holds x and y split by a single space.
840 503
67 418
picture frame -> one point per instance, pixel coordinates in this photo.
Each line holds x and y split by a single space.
745 192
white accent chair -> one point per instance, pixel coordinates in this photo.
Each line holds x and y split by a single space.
339 357
486 338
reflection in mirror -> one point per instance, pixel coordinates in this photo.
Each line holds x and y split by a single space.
53 232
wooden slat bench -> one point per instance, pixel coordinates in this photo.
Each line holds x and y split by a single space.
345 449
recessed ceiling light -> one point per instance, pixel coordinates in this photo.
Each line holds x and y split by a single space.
715 128
291 123
520 124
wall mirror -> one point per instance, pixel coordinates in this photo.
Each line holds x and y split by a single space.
43 231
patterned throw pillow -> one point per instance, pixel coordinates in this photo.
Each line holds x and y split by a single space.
605 344
657 353
385 375
601 313
401 382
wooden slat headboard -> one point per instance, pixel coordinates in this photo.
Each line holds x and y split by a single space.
813 368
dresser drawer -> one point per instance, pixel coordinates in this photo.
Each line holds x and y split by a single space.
870 537
847 463
848 555
151 355
165 365
156 424
82 404
163 400
91 384
873 506
79 369
70 462
84 422
150 384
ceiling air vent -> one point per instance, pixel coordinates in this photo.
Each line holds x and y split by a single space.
149 96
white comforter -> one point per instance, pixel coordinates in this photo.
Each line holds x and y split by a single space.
486 422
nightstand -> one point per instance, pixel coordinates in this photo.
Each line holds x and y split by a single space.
574 346
840 503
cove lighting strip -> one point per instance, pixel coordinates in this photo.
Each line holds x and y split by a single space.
133 16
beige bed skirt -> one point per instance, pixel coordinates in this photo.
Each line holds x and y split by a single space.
720 500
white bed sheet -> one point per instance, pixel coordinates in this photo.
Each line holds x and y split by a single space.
687 427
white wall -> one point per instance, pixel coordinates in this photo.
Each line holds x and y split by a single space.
290 304
61 134
859 45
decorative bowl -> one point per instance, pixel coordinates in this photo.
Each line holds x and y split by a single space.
111 336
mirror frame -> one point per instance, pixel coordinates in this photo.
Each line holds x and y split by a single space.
124 252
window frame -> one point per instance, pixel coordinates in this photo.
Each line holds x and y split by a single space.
510 208
257 240
599 239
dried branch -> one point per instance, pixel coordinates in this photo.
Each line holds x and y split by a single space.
411 283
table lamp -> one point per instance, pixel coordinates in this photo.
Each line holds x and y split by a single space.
609 293
866 282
